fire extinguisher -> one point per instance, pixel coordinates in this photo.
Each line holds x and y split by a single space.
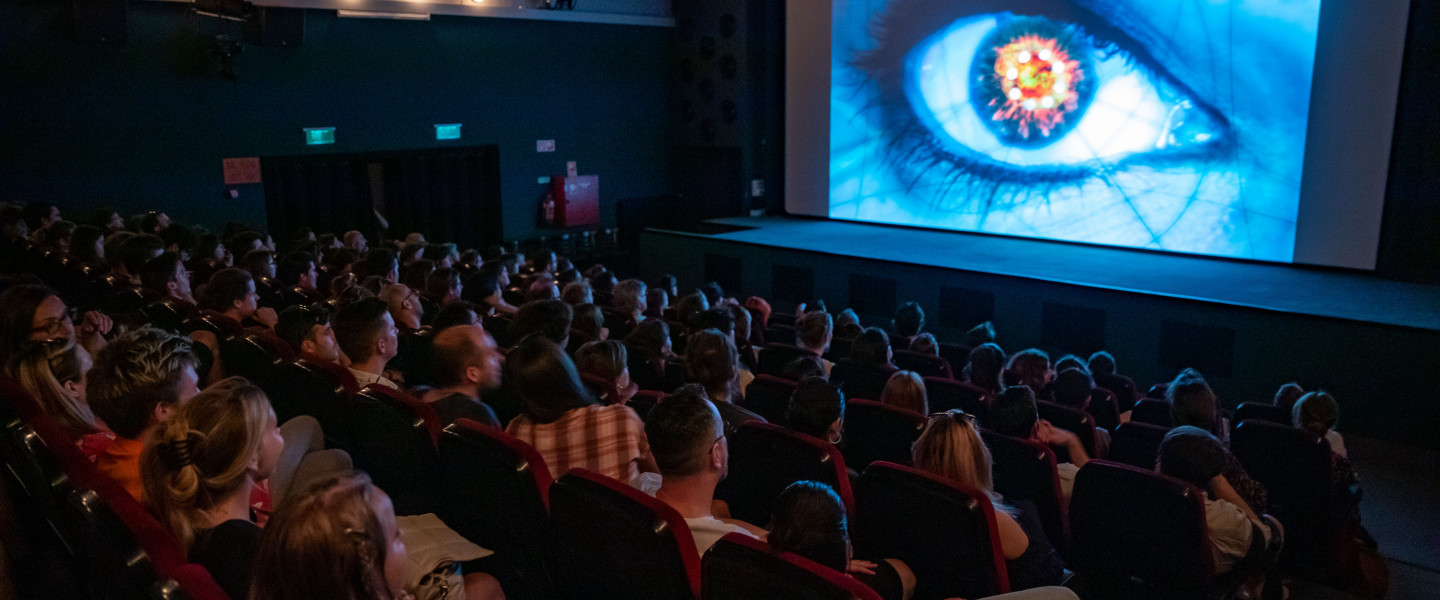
547 210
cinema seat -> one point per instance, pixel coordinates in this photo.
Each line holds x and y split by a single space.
739 567
769 397
1138 534
1104 408
1025 470
774 356
392 437
858 381
1153 412
945 394
644 400
875 431
496 494
1252 411
1295 470
766 458
256 357
944 530
927 365
191 582
1136 444
616 543
315 387
1072 420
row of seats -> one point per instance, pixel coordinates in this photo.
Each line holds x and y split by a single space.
110 545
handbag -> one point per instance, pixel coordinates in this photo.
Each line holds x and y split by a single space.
434 553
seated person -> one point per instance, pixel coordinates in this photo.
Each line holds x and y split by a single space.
589 321
693 455
1196 457
712 361
657 301
343 536
925 343
847 324
908 321
297 270
814 331
564 423
548 318
802 367
443 286
1316 414
1193 403
366 333
607 361
404 306
34 313
229 298
307 329
1029 368
810 521
817 409
871 350
1070 361
1102 369
54 372
1013 413
628 299
1287 396
455 313
577 292
984 368
467 364
167 276
136 384
1074 388
199 470
905 389
950 446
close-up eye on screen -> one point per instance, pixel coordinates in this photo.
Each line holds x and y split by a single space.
1176 125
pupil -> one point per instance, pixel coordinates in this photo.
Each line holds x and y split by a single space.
1030 80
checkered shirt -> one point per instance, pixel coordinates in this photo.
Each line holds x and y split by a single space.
605 439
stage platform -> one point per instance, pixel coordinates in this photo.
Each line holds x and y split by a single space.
1248 326
1313 291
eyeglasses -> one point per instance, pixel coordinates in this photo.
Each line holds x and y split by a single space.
954 414
54 323
729 429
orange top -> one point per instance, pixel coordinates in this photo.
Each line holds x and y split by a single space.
121 461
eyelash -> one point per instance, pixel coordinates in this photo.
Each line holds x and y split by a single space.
912 143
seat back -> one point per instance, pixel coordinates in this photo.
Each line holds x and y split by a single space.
1121 386
256 357
616 543
1153 412
1253 411
170 315
858 381
1073 420
769 397
945 394
927 365
957 355
647 369
1104 409
875 431
603 389
497 494
392 437
779 334
739 567
1025 470
1136 444
644 400
766 458
1137 530
943 530
192 582
317 388
774 356
1295 470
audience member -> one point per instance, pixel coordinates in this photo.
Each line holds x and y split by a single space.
608 362
657 302
199 469
909 320
692 453
577 293
950 446
54 372
802 367
1196 457
455 313
34 313
1287 396
814 331
404 305
167 276
136 384
1193 404
1030 368
467 364
1316 413
981 334
817 409
924 343
589 321
307 329
652 335
1102 369
561 420
443 286
810 521
847 325
906 389
628 299
230 293
872 350
712 361
366 333
1013 413
548 318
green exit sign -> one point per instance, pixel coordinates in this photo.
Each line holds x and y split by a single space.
315 136
449 131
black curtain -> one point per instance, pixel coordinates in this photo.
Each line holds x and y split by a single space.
450 195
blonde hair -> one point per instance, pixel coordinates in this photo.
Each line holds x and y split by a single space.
905 389
327 543
951 447
202 454
43 368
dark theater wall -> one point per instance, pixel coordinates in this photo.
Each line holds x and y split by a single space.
147 122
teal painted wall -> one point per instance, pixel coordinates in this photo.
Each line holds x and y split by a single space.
146 123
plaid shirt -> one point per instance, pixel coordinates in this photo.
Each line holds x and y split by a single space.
605 439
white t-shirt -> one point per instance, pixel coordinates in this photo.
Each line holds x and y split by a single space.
708 530
1230 532
365 379
1067 472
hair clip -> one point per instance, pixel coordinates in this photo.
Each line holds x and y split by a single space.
177 452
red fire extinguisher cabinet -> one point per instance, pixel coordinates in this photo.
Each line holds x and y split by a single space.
577 200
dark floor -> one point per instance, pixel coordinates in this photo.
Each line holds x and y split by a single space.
1401 508
1286 288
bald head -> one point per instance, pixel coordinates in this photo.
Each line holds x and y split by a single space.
466 356
355 240
404 304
